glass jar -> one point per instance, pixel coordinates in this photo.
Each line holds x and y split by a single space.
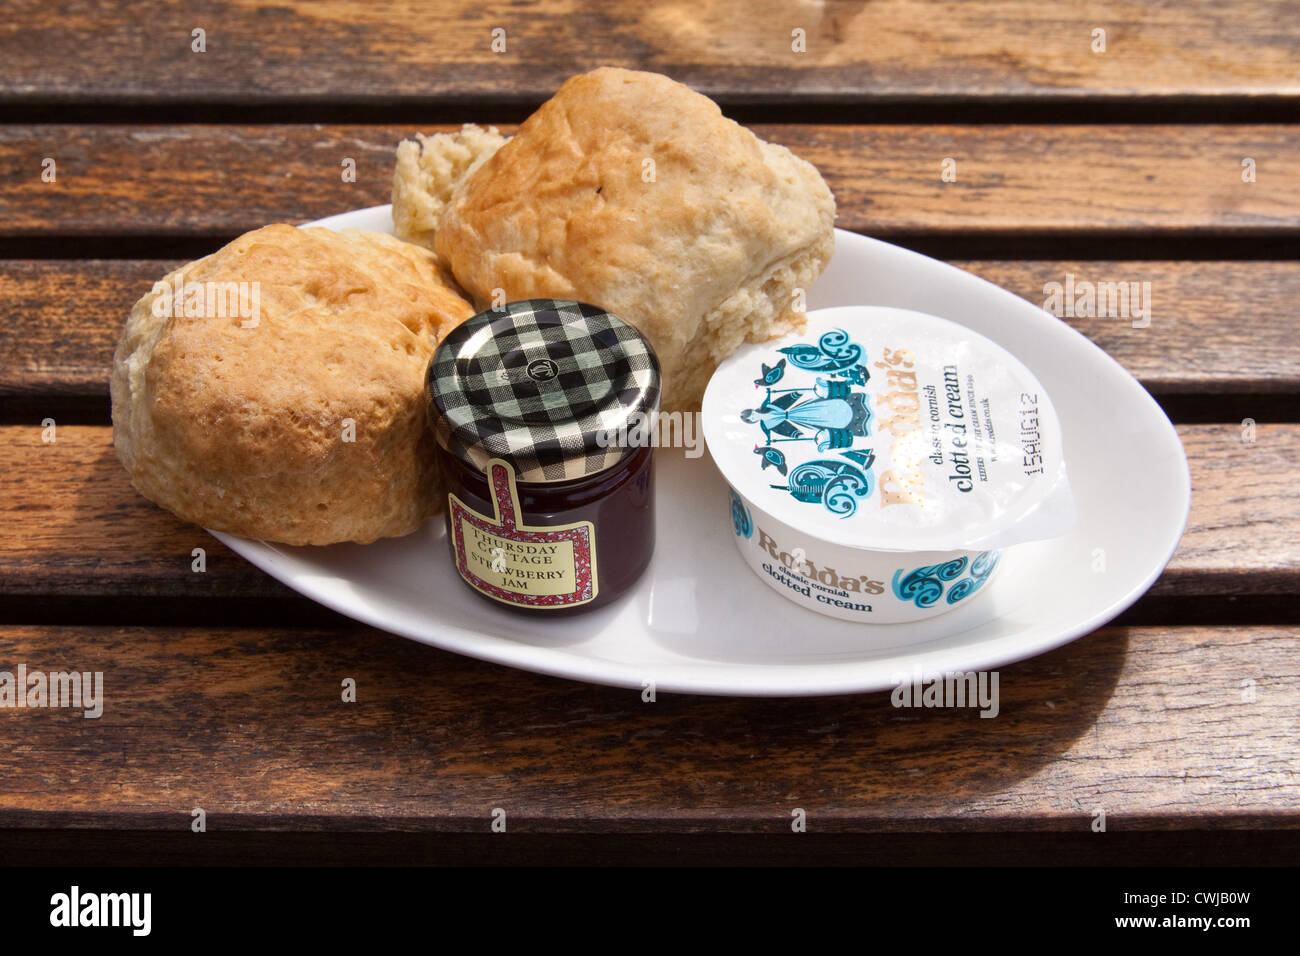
542 411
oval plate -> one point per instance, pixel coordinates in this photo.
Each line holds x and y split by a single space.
700 622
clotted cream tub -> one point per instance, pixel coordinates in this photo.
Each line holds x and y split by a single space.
880 461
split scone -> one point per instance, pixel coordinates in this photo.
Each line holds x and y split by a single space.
631 192
428 171
275 389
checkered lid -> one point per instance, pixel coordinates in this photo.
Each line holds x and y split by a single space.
548 385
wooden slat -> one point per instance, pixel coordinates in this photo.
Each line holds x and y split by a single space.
72 510
62 320
223 180
1216 326
434 50
1162 728
1243 535
74 526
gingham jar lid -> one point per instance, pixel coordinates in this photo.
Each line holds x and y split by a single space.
547 385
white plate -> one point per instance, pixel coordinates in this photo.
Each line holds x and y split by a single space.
700 622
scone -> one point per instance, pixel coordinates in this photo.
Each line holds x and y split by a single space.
275 389
634 193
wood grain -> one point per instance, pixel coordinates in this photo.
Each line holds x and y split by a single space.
73 525
60 321
1216 327
435 51
220 181
1159 727
75 512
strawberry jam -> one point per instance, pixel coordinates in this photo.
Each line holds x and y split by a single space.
550 504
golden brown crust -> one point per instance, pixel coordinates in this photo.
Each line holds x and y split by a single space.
308 426
632 192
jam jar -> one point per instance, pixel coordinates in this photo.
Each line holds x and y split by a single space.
542 410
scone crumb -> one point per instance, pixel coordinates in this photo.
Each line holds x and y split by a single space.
429 170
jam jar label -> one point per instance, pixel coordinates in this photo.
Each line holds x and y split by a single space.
515 563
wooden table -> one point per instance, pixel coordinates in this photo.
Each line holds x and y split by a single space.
1180 719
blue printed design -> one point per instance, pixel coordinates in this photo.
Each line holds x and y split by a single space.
772 456
771 374
741 519
836 484
834 352
832 418
924 586
980 569
827 414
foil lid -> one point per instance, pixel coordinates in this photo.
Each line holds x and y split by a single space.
889 429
